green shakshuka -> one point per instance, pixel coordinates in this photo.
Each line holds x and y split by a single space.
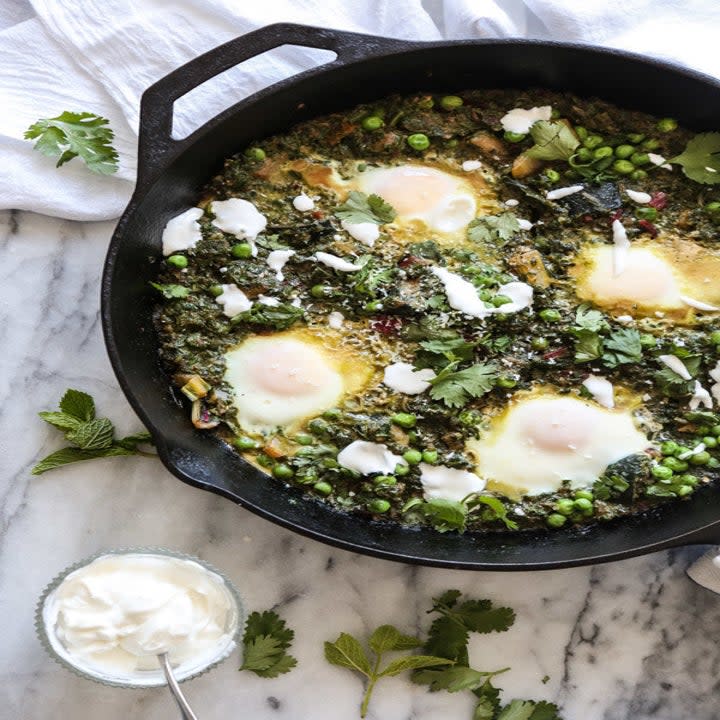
496 310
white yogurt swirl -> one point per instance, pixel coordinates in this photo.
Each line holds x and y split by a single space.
113 616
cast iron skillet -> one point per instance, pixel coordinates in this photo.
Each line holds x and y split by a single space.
171 173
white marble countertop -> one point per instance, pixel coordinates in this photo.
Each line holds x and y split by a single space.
633 639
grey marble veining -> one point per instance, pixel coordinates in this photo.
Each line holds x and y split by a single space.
632 640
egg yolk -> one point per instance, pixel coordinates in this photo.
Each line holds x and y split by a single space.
288 368
565 424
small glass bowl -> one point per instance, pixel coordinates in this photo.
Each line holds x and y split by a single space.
141 678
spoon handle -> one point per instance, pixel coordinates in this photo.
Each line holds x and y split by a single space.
185 708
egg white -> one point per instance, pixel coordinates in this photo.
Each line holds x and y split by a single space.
543 438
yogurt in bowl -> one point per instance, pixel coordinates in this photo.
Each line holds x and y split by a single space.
110 616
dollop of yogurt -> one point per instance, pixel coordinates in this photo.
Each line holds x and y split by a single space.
182 232
240 218
113 616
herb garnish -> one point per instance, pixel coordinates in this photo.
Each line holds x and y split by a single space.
280 317
171 291
493 228
90 437
348 652
621 347
700 160
73 134
554 140
445 515
265 642
362 208
456 387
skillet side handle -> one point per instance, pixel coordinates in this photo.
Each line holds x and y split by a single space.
156 144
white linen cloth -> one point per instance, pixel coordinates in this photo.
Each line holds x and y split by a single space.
100 55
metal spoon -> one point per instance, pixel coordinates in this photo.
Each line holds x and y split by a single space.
185 708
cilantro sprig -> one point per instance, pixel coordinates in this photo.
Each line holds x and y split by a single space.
456 387
348 652
554 140
76 134
265 644
700 161
362 208
90 437
594 340
495 229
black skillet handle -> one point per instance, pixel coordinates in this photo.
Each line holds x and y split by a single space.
156 144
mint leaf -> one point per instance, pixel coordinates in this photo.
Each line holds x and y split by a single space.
347 652
130 442
73 455
387 637
76 134
78 404
554 140
412 662
362 208
171 291
452 679
92 435
700 160
60 420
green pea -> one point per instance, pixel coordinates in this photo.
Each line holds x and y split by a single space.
451 102
255 153
318 426
604 151
682 450
565 506
430 456
328 462
555 520
593 141
216 290
506 382
646 213
384 480
684 490
323 488
688 480
373 305
412 457
713 463
282 471
584 495
666 125
715 339
265 460
372 122
552 175
418 141
401 469
332 414
674 464
636 138
246 443
303 439
639 158
712 207
583 504
550 315
638 174
499 300
404 420
650 144
715 430
178 261
710 441
321 291
623 167
624 151
701 430
514 137
241 250
452 142
581 132
647 340
539 343
426 103
700 458
669 447
584 155
661 472
378 506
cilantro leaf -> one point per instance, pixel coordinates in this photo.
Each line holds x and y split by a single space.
588 345
456 387
265 642
91 437
622 347
348 652
493 228
494 509
362 208
588 319
488 702
529 710
700 160
444 515
171 291
672 384
78 404
554 140
437 354
280 317
73 134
